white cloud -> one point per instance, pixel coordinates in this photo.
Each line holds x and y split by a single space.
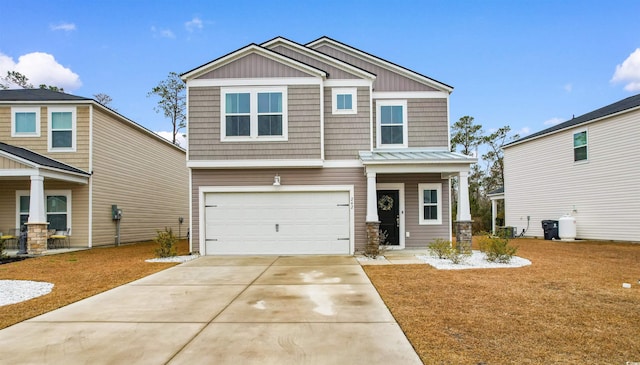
553 121
523 131
41 68
180 139
193 24
67 27
629 72
164 33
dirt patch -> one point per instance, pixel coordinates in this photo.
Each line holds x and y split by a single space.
78 275
567 307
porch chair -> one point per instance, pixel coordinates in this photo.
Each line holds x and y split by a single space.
61 239
50 233
10 236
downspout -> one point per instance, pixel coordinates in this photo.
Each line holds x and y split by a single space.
322 119
371 126
90 231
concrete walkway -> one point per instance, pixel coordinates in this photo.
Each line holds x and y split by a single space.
222 310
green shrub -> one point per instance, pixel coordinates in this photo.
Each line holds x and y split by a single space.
440 248
497 249
167 241
457 257
2 253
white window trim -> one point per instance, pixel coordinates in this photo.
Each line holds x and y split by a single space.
573 151
421 189
24 109
253 97
73 131
344 91
405 124
47 193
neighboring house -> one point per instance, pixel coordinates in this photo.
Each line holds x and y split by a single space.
302 149
80 158
584 167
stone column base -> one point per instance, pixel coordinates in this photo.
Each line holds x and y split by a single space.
373 239
464 235
36 238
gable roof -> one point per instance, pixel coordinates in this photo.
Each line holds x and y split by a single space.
252 48
622 106
381 62
37 159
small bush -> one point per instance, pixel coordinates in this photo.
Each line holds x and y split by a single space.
458 257
440 248
2 253
497 249
167 241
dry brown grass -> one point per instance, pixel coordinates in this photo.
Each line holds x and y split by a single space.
568 307
78 275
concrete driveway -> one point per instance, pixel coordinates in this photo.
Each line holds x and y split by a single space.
222 310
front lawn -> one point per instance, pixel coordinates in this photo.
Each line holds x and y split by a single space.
568 307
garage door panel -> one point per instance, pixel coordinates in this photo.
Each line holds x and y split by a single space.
277 223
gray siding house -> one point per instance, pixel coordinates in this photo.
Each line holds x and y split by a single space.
314 149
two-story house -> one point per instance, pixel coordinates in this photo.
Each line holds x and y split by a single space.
66 160
314 149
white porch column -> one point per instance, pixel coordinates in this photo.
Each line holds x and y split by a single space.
464 209
36 200
372 198
494 214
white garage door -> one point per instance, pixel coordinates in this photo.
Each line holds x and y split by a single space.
277 223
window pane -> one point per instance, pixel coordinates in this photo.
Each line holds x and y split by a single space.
56 204
345 102
24 204
61 139
238 125
270 125
391 134
237 103
57 221
580 153
385 114
269 102
430 196
580 139
25 122
431 212
396 114
61 120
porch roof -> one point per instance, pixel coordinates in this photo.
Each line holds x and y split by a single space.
33 160
408 161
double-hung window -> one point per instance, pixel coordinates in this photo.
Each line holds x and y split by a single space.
58 208
344 100
580 146
62 129
250 114
25 122
430 203
391 117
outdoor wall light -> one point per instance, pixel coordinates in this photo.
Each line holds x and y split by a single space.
276 180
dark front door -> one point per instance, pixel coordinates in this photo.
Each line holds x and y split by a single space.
389 215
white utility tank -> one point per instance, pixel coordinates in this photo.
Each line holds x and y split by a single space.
567 228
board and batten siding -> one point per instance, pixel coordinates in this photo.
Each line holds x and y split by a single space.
386 80
421 235
427 122
78 159
253 66
9 164
303 125
346 134
543 182
334 72
264 177
146 177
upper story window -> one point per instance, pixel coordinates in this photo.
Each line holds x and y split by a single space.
62 129
391 118
25 122
430 203
580 146
250 114
344 101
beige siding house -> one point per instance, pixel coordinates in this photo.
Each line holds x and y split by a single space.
316 149
81 158
582 168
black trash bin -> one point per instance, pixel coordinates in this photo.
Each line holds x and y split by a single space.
550 228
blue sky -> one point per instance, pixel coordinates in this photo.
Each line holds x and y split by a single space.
526 64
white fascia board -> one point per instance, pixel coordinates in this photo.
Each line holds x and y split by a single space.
342 164
255 82
410 95
18 172
416 168
69 177
382 63
348 82
315 54
258 164
253 48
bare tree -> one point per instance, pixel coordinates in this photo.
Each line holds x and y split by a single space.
172 101
103 99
